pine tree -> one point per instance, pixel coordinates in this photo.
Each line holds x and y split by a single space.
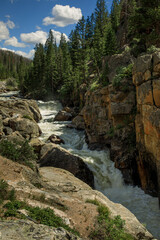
101 16
51 67
110 41
38 86
89 31
145 22
115 14
74 46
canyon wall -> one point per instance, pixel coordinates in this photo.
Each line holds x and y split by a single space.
146 77
126 118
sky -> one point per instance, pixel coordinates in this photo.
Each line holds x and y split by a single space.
23 23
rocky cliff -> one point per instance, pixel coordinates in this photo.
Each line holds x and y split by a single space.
146 77
67 196
125 117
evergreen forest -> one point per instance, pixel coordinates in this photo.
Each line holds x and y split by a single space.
62 69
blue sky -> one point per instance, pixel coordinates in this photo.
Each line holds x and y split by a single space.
23 23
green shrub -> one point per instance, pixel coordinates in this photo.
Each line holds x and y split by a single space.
27 117
23 154
47 217
3 190
111 132
5 194
94 85
122 72
95 202
152 49
44 216
10 213
11 82
108 228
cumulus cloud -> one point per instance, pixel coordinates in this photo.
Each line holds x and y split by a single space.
63 16
14 42
4 32
57 36
30 54
34 37
27 55
10 24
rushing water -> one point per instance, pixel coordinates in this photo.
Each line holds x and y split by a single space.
108 179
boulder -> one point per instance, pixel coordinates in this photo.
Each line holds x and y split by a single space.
63 116
58 157
7 130
55 139
25 108
27 128
142 69
31 230
78 122
37 144
14 137
64 194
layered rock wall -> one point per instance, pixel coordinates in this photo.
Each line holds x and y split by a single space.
109 115
146 77
127 119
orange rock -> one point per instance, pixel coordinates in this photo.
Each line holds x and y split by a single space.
156 92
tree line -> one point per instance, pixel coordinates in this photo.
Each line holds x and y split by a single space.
63 69
12 65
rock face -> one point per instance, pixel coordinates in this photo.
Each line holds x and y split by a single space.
23 107
58 157
19 116
67 196
16 229
55 139
109 118
63 116
127 119
146 77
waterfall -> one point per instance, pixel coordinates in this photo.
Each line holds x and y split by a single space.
108 179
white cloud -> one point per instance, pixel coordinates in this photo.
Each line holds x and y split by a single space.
63 16
6 49
14 42
34 37
7 16
4 32
10 24
27 55
21 53
38 28
57 36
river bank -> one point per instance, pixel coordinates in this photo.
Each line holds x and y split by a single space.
76 141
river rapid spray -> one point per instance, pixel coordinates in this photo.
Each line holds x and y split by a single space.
108 179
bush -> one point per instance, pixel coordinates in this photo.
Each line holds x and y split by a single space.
23 154
122 72
108 228
5 194
95 85
27 117
3 190
44 216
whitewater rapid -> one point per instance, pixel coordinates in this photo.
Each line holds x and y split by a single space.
108 179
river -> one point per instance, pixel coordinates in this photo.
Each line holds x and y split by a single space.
108 179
